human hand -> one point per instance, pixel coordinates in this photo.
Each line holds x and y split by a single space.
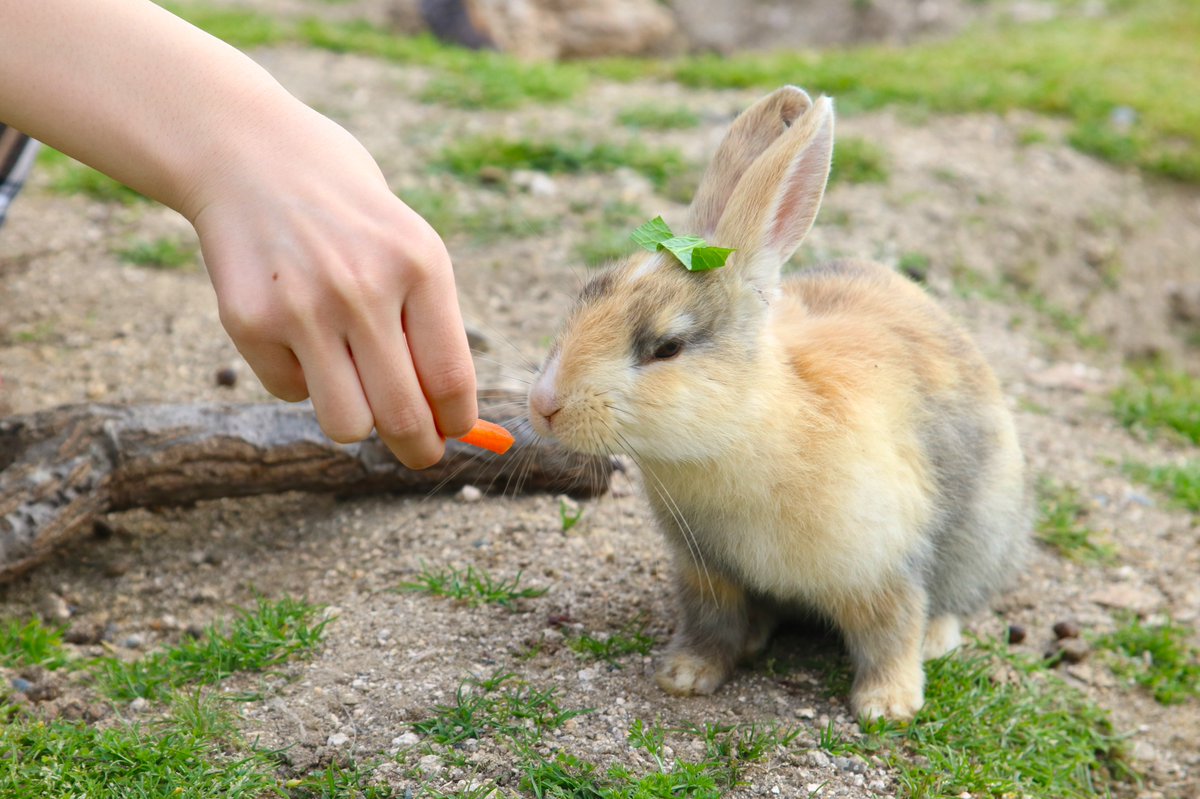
332 288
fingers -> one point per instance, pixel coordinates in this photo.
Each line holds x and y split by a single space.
333 383
441 356
398 406
277 368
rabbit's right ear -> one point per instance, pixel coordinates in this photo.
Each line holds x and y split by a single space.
754 130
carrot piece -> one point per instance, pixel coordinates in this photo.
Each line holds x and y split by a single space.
489 435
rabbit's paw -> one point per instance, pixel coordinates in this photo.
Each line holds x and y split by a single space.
941 636
686 673
895 699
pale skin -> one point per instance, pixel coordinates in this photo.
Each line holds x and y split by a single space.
329 285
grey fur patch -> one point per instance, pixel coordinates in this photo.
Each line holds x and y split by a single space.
969 556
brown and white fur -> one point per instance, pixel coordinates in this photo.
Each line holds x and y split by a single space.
832 442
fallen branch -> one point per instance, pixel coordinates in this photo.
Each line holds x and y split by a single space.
62 468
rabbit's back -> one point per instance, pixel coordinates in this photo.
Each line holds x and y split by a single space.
869 341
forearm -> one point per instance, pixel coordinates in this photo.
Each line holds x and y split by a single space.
135 92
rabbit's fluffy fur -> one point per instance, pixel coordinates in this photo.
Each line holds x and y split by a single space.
832 442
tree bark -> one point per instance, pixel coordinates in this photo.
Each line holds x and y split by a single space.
62 468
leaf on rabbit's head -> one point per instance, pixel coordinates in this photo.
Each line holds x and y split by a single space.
694 253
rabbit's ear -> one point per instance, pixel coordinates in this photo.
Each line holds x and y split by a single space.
776 201
754 130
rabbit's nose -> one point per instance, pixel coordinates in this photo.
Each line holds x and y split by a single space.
543 399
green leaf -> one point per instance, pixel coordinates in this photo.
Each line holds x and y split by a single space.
691 251
651 234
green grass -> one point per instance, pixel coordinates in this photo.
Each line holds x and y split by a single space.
500 705
1142 56
629 640
497 81
441 211
1156 400
857 160
569 514
915 265
1062 524
1028 734
607 236
517 716
68 176
191 747
160 253
31 644
658 117
1179 482
474 156
186 755
255 640
1157 657
473 586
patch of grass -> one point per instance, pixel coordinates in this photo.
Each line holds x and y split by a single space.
160 253
472 157
340 781
498 705
569 514
1157 657
658 117
629 640
441 211
474 586
1026 734
68 176
608 238
240 27
914 265
1072 325
257 639
184 755
1180 482
1141 57
1157 400
31 644
1062 524
517 716
498 81
856 160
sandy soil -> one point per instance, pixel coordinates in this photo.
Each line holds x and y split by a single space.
1105 245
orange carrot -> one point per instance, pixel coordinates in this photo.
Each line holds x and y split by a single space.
489 435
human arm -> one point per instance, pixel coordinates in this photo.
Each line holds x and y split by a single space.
328 284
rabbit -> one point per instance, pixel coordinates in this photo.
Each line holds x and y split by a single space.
830 443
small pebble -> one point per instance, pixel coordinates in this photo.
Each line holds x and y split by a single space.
134 641
1066 629
338 739
139 705
84 634
406 740
469 493
1072 650
227 377
1016 634
21 685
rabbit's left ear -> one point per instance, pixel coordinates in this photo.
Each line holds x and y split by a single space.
774 205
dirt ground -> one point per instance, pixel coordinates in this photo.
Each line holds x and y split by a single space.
969 192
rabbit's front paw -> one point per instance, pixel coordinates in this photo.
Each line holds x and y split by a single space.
896 699
685 673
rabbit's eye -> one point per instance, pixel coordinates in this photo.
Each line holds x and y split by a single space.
668 349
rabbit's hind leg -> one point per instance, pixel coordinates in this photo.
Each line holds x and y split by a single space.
942 635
